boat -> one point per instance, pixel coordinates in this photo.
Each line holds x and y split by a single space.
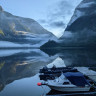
70 82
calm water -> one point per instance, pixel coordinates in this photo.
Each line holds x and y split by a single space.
19 68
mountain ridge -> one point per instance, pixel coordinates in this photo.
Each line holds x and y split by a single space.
81 30
22 30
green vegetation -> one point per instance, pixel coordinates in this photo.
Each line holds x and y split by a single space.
12 27
24 27
1 65
1 32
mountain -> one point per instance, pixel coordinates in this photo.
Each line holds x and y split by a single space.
81 30
21 32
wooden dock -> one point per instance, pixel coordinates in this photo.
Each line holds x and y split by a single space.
88 72
75 94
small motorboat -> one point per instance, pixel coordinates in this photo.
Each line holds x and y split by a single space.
70 82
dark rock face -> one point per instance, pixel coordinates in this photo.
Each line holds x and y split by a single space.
1 9
82 26
84 16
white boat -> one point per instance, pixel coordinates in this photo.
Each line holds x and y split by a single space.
69 82
67 87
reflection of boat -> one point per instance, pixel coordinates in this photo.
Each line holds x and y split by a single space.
55 70
69 81
50 73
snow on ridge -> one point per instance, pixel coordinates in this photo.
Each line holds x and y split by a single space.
78 13
84 5
76 16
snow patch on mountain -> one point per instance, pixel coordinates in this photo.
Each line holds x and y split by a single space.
84 5
76 16
82 10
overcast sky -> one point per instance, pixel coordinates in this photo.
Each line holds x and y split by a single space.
53 15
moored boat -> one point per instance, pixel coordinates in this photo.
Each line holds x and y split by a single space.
70 82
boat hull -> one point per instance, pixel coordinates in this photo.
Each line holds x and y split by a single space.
70 89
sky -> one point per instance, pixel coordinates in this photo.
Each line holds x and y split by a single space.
53 15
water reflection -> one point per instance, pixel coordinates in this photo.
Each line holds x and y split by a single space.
79 58
18 64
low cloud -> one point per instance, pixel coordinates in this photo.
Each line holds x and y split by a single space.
42 21
60 16
57 24
63 12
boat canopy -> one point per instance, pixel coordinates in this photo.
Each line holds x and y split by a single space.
76 78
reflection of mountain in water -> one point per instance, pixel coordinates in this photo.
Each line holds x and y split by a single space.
21 64
76 58
18 64
79 58
83 60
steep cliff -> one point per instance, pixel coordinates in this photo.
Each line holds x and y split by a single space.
81 30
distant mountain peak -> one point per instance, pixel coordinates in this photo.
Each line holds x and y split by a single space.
1 9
